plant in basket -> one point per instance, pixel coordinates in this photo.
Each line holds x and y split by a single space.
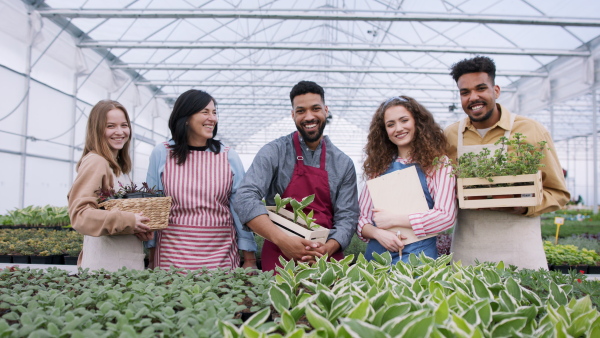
297 223
511 173
149 201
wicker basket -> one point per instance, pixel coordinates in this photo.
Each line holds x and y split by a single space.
155 208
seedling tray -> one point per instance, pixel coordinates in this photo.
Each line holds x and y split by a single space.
283 221
490 195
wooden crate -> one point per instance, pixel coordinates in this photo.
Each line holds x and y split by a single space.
293 229
498 197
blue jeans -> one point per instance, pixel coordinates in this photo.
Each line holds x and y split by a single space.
427 246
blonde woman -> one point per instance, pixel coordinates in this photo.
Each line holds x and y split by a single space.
112 239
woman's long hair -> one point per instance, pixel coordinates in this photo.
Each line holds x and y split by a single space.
95 139
188 104
428 141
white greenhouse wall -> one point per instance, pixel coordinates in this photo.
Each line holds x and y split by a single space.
45 133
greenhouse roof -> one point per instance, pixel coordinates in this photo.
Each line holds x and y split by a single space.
248 55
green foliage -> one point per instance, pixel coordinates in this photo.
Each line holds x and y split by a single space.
570 228
39 216
40 242
5 220
579 241
515 157
426 298
128 303
569 255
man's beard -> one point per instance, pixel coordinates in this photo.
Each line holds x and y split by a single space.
308 138
484 117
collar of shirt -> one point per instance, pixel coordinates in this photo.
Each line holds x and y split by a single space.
305 147
403 160
503 123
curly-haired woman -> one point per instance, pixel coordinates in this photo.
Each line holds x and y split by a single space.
403 133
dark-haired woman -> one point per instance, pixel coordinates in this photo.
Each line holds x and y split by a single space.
201 175
403 133
112 238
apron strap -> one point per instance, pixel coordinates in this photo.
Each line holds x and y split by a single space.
300 158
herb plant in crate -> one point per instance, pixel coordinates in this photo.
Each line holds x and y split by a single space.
151 202
297 223
502 179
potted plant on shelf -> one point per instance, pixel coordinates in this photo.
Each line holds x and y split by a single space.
501 179
150 201
297 223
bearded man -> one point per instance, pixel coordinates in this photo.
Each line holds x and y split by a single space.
297 165
512 235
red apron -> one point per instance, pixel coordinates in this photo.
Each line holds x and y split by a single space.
306 180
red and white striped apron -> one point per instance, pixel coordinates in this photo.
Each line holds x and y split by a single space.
201 232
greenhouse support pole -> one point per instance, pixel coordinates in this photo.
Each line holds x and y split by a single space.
595 147
24 126
73 121
587 170
569 173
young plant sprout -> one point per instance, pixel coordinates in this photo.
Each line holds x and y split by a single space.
298 207
281 202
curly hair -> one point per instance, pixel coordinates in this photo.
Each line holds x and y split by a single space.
428 141
475 65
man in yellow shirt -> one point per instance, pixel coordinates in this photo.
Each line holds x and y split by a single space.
512 235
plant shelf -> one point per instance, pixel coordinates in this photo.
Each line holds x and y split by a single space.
282 219
493 196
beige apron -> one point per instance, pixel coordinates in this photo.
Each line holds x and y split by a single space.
113 252
493 236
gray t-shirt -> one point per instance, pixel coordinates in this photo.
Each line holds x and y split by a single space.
271 172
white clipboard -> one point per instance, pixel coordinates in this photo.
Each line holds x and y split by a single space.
401 192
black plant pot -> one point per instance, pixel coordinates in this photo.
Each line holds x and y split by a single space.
20 259
594 269
58 259
69 260
565 268
41 259
5 259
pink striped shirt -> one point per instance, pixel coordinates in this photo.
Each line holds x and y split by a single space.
441 186
201 230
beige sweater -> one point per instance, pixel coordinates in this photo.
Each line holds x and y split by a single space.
95 173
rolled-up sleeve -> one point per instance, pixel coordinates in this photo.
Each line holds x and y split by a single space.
366 212
248 200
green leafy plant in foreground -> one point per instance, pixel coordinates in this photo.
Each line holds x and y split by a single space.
425 298
126 303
